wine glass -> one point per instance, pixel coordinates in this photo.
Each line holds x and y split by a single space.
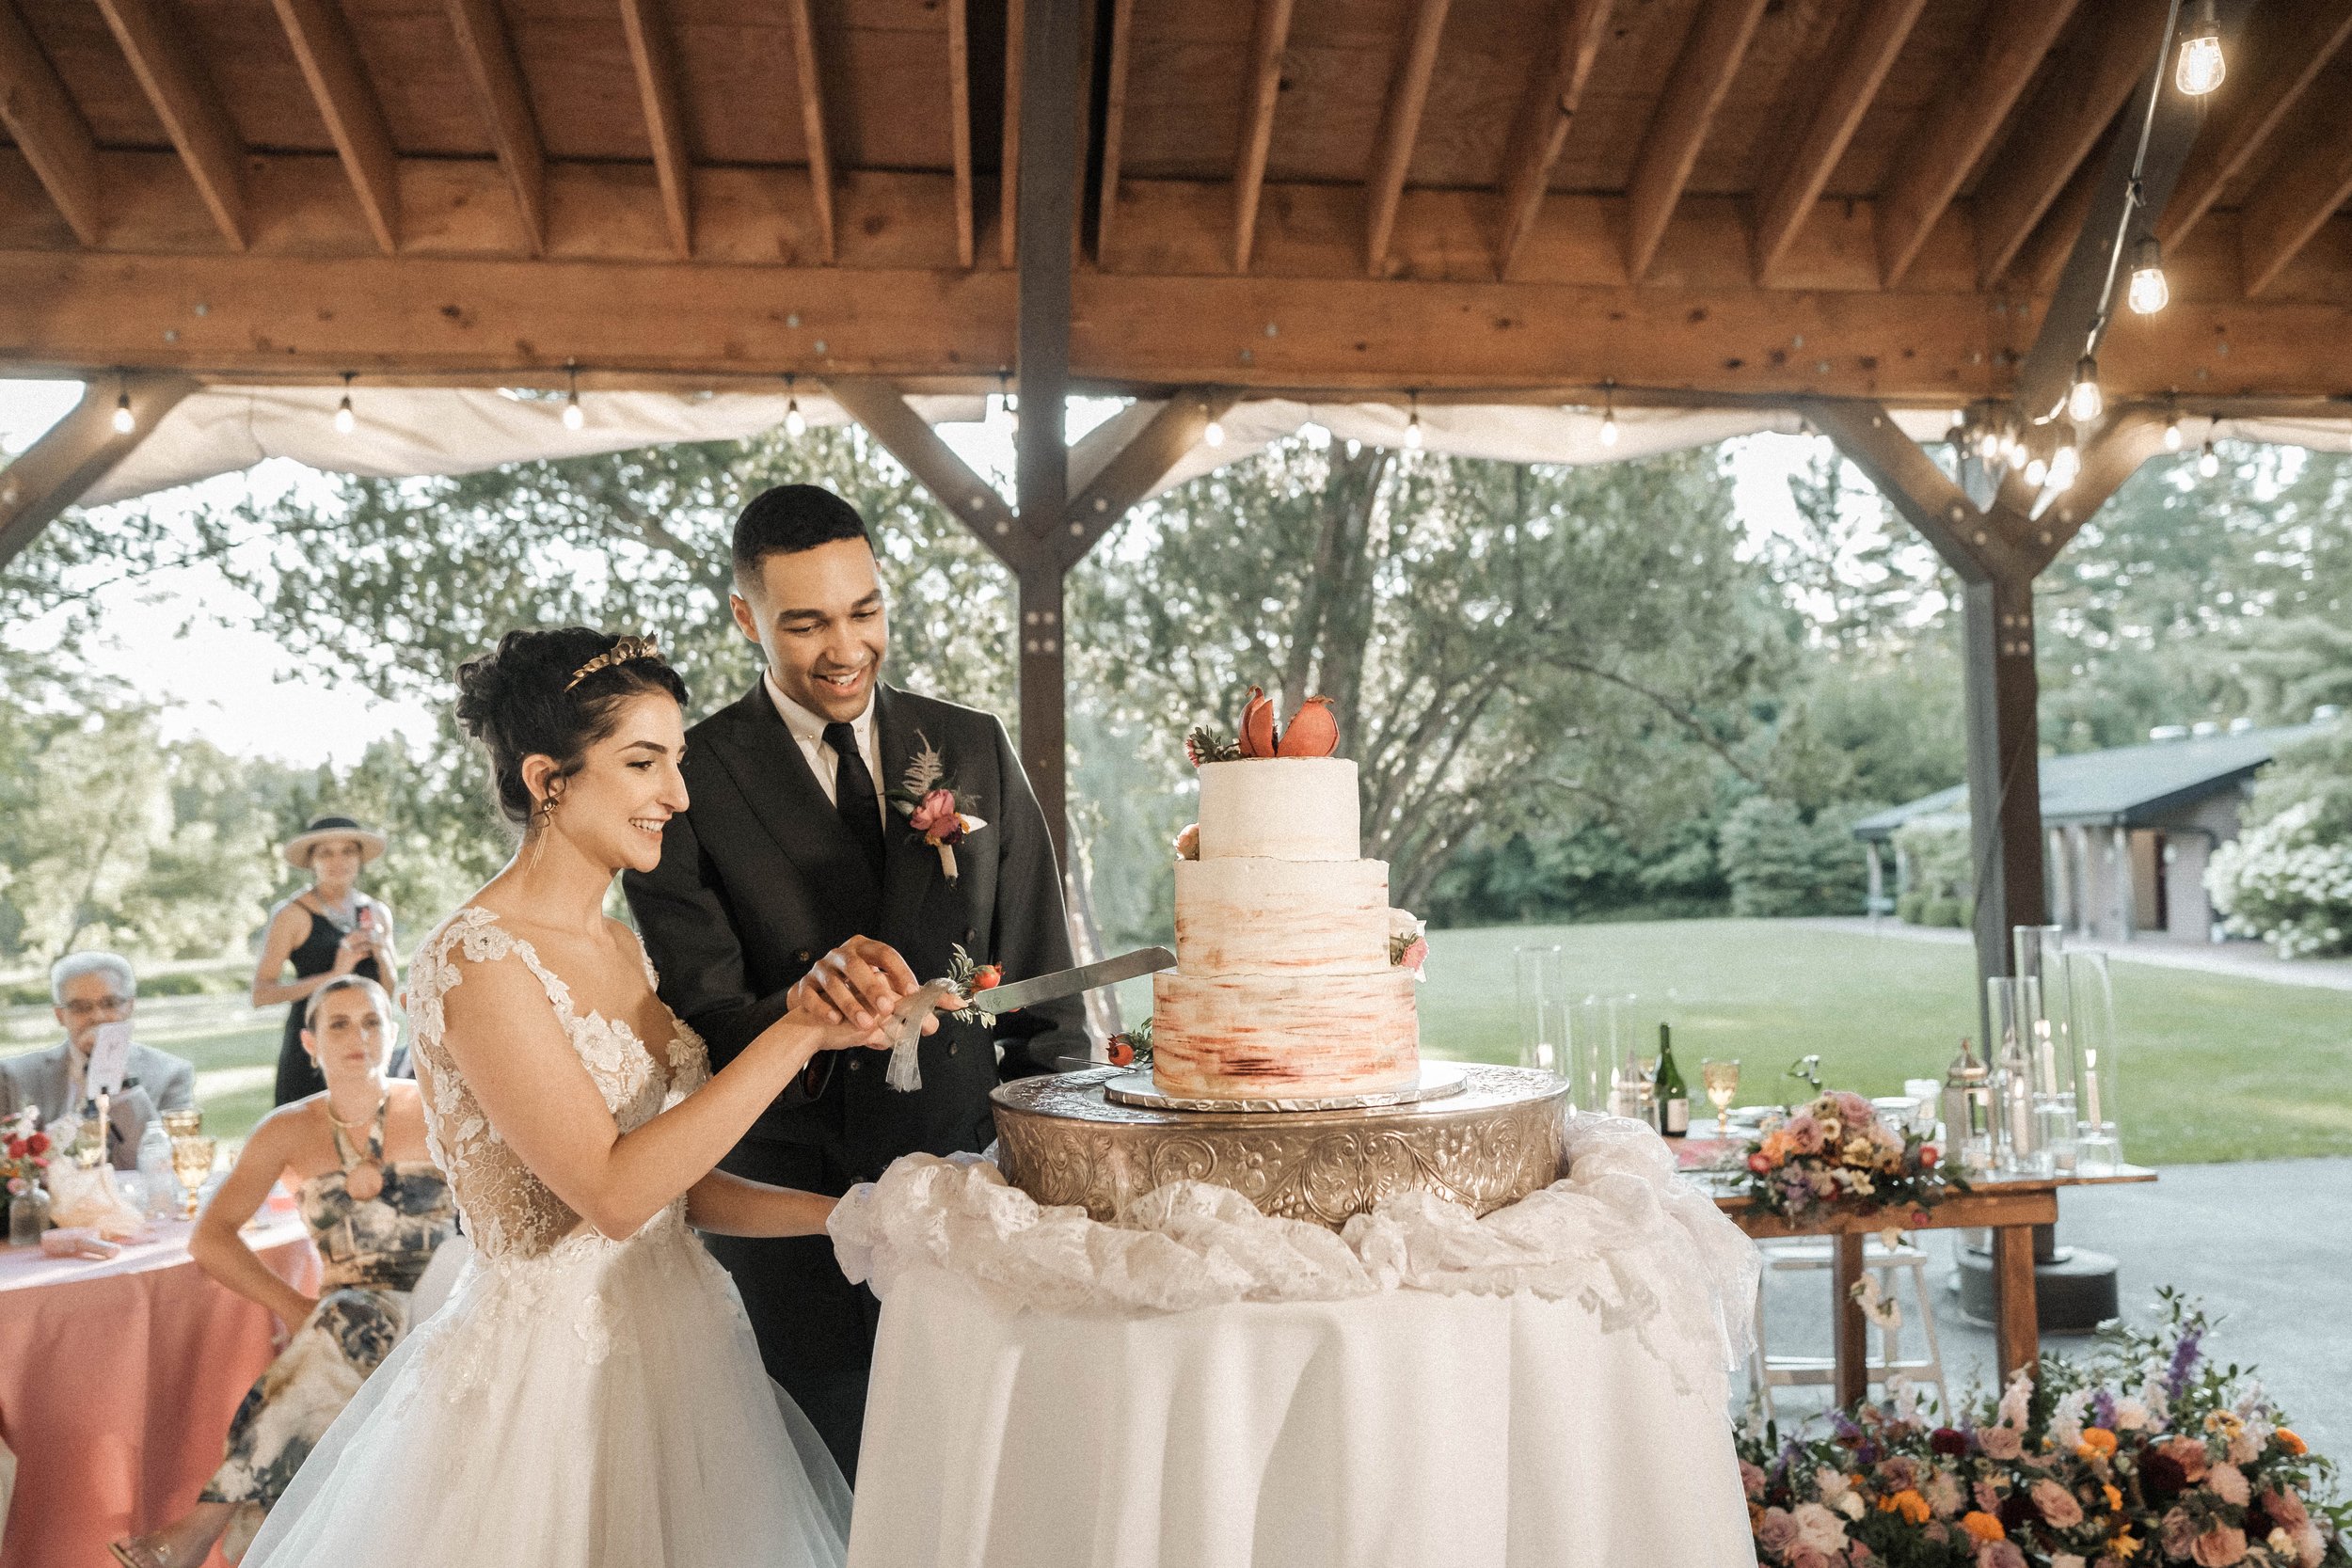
191 1161
184 1123
1722 1080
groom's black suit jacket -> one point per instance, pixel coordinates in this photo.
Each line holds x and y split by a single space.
760 877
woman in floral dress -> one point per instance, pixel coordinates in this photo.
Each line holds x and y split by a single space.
377 1206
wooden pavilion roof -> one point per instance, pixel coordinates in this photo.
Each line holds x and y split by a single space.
1708 200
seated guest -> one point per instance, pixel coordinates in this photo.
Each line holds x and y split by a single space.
376 1207
92 990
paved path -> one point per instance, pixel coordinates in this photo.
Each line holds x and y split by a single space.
2262 1244
2250 959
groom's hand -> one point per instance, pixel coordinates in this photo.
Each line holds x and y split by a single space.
858 982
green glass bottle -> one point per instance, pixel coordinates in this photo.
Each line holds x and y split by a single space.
1672 1097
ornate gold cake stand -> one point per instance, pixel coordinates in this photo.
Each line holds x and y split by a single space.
1062 1141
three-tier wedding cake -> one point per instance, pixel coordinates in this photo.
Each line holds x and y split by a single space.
1294 978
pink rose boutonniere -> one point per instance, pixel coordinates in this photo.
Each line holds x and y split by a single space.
933 810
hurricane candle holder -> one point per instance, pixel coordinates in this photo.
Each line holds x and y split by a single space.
2016 1142
2090 993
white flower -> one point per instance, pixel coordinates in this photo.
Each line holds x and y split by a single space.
2130 1415
1831 1482
2015 1398
1819 1529
2066 1424
1851 1505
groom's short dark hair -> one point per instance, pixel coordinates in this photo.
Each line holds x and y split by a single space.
790 519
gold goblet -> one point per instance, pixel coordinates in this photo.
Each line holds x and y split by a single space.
184 1123
191 1161
1722 1083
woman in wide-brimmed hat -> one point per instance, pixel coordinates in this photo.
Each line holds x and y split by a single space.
328 928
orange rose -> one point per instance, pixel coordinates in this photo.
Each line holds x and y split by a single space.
2290 1442
2098 1443
1912 1507
1984 1527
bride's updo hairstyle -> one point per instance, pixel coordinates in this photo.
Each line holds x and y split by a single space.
552 693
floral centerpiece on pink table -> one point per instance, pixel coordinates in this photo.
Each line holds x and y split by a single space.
2144 1456
1839 1154
26 1152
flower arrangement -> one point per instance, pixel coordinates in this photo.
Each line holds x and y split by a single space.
933 811
1409 943
2146 1454
969 976
1131 1047
27 1151
1839 1153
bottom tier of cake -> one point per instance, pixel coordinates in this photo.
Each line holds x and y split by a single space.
1268 1037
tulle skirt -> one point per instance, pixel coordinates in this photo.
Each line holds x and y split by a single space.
602 1404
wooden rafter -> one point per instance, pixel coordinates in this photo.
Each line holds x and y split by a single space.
330 60
497 76
1114 120
2042 259
812 122
2286 48
1710 57
1955 130
47 128
960 120
189 106
2301 193
1008 180
653 55
1400 124
1553 94
1268 41
2111 52
77 451
1873 39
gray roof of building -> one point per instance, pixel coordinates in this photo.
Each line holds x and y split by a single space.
2124 785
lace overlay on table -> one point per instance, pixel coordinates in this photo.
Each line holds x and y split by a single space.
509 1212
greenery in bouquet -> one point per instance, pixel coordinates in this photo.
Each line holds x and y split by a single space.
2145 1455
1131 1047
25 1155
1837 1153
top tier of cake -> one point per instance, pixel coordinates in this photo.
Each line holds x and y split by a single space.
1280 808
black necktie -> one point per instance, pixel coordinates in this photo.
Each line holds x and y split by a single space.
854 794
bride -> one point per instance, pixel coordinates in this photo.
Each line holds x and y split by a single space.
591 1393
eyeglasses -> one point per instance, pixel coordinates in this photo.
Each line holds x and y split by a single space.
91 1009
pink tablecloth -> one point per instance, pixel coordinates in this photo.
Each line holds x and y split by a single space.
117 1383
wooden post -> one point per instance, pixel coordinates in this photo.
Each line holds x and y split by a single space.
79 450
2004 770
2017 1331
1850 1332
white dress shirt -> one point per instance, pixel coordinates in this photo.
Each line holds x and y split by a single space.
808 732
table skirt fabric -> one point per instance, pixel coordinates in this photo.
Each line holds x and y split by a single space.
1405 1428
116 1384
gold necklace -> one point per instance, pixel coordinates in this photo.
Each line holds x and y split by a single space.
358 1121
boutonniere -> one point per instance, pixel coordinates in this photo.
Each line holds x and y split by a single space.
933 811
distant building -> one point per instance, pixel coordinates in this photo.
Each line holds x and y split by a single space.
2130 830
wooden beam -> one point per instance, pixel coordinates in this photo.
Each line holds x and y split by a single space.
1009 177
1553 94
2110 53
2109 459
1263 86
971 501
47 128
2286 48
77 451
1137 467
1873 39
488 55
2301 193
960 120
1954 131
347 101
1400 124
813 123
1922 492
1717 42
1114 121
653 55
189 106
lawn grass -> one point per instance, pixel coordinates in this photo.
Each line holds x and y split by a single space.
2214 1067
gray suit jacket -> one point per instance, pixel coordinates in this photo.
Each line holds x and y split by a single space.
156 1081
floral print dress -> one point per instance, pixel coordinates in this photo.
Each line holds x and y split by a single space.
375 1249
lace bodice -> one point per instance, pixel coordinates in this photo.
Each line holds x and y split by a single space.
509 1212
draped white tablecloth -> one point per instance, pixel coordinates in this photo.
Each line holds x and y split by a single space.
1205 1387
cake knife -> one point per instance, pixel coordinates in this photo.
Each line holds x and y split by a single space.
1070 982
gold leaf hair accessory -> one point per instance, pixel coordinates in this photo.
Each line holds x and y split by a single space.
620 653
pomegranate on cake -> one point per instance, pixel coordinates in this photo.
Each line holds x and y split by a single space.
1294 978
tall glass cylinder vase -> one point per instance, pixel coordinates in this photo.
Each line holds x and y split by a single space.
2090 993
1543 1009
2017 1146
2044 993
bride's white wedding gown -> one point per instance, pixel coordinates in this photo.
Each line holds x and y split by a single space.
578 1400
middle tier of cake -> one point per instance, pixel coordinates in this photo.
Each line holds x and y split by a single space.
1274 1037
1256 916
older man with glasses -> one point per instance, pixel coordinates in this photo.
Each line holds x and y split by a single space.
91 990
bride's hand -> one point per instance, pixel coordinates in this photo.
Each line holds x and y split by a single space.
858 982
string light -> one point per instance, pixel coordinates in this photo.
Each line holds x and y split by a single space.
345 420
2201 66
2172 434
1989 446
795 422
2083 401
1608 414
2208 461
2066 464
125 422
2149 292
1412 423
574 415
2036 471
1213 432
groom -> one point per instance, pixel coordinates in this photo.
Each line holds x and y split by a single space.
791 847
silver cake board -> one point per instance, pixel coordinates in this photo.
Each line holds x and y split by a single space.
1438 1081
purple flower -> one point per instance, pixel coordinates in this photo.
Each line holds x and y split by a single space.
2184 1362
2103 1410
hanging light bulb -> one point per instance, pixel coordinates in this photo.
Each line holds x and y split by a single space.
2083 401
1608 416
2066 464
574 415
2172 434
1213 432
2201 66
795 422
2208 461
1412 424
345 420
2012 446
2148 291
1989 446
2036 471
125 422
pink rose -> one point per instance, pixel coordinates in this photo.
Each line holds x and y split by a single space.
1414 956
2285 1509
1751 1481
1987 1499
1897 1474
1854 1111
1999 1442
2244 1447
938 809
1804 1134
2220 1547
2178 1533
2056 1504
1999 1554
2229 1484
1802 1556
1759 1165
2189 1455
1777 1531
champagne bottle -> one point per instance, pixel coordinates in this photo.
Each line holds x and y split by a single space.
1673 1098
